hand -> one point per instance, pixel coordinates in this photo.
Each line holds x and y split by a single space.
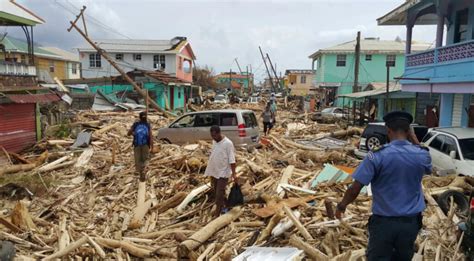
234 178
339 214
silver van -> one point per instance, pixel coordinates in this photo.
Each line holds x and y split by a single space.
240 126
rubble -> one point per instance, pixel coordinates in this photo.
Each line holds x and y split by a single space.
95 206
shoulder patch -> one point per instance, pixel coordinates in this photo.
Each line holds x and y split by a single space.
370 155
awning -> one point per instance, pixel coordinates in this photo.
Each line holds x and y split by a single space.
33 98
375 92
398 16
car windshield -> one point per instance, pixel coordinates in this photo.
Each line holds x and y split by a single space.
327 110
220 97
467 148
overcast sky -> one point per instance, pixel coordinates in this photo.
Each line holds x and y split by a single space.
220 31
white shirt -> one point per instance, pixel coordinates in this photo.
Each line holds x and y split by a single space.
222 155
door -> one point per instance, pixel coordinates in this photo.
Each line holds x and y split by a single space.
435 151
17 126
171 98
204 121
182 131
471 116
457 109
432 119
449 145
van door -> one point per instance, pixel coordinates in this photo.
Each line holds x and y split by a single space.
448 146
228 123
435 152
181 131
204 122
251 126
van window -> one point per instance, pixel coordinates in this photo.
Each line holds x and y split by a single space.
427 137
185 122
228 119
250 120
437 142
206 120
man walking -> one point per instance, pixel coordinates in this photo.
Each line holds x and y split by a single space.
267 116
395 172
142 143
220 167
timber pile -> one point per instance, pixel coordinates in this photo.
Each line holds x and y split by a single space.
96 208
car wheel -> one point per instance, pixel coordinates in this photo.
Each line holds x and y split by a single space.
460 201
374 141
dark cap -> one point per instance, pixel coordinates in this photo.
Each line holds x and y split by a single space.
142 114
398 115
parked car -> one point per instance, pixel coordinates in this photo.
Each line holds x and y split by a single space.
452 149
240 126
254 100
329 114
221 98
375 135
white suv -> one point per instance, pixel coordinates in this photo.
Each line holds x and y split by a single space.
452 149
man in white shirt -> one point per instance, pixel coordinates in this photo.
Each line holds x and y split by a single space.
220 167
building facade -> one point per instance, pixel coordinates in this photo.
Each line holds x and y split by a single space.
447 69
241 81
334 66
300 82
174 57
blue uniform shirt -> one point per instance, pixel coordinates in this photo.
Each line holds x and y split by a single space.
395 172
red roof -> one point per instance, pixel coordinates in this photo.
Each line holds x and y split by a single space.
33 98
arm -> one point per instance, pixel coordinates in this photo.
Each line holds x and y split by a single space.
234 174
351 194
412 137
150 138
130 131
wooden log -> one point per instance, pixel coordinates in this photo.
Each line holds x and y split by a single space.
21 218
139 213
169 203
206 252
108 128
19 158
284 180
60 142
138 251
84 158
96 246
10 226
60 166
297 223
70 248
300 146
207 231
141 193
194 193
310 251
270 226
51 165
16 168
63 237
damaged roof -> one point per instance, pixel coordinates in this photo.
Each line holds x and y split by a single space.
14 14
156 75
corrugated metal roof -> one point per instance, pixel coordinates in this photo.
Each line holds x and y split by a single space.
132 46
33 98
373 46
65 55
21 15
20 46
298 71
379 88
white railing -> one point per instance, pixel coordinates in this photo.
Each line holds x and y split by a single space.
12 68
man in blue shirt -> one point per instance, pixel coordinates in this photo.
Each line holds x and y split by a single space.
142 143
395 172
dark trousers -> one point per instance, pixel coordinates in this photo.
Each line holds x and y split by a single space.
267 126
392 238
218 189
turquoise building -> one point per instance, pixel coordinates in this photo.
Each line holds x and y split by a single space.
334 66
445 69
243 82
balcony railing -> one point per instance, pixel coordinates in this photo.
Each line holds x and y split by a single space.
445 54
17 69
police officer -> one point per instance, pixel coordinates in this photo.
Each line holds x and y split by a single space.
394 172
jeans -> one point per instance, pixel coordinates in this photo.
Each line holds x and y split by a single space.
392 238
218 188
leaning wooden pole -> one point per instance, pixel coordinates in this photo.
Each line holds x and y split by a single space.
104 54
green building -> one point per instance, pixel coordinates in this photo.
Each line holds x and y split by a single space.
242 83
334 66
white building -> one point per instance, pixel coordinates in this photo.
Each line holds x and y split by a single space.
174 57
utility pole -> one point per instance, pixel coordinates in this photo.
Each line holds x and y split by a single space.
238 65
104 54
248 82
387 88
273 70
266 67
230 79
355 87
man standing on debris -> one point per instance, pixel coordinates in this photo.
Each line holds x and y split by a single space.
220 167
142 143
395 172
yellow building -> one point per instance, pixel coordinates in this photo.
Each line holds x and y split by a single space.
50 62
300 82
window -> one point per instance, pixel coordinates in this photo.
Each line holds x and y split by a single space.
187 66
23 58
51 66
368 57
341 60
391 60
74 68
185 121
427 137
250 120
95 60
303 78
292 79
461 26
179 95
467 148
437 142
119 56
449 145
137 57
206 119
228 119
159 62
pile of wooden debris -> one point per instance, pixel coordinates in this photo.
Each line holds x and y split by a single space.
92 204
